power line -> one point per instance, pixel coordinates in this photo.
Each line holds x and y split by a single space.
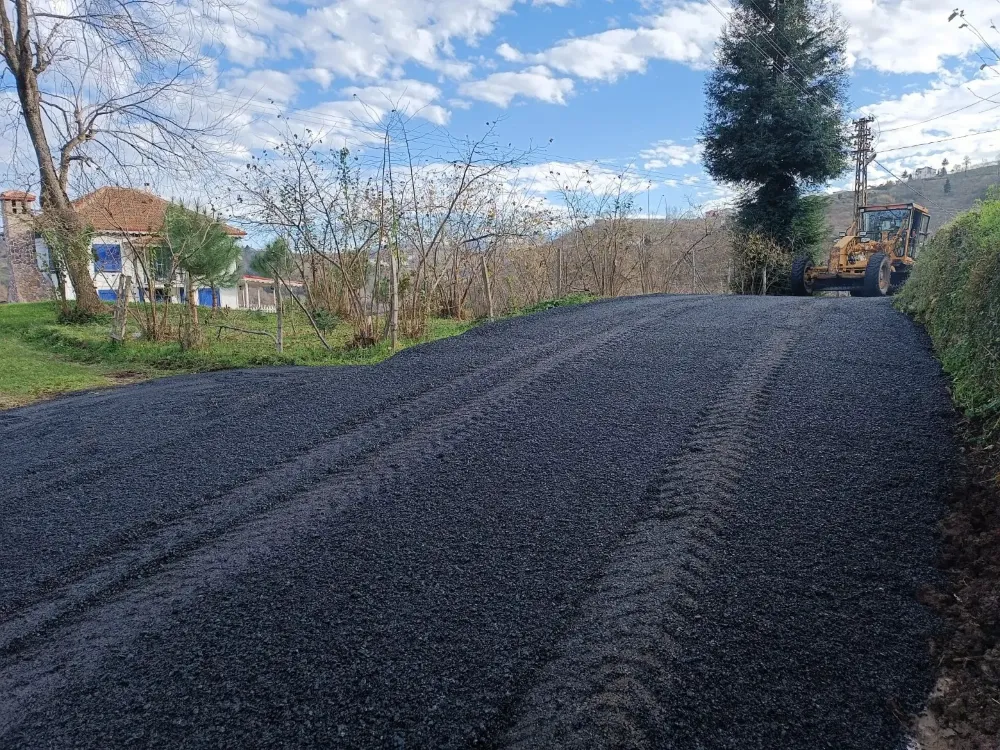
938 117
940 140
788 56
927 200
757 47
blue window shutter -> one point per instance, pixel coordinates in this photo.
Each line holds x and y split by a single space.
107 295
109 258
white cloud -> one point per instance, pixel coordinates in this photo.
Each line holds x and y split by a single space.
242 47
911 36
536 83
508 53
263 84
684 33
922 40
557 176
926 117
410 97
667 153
320 76
353 119
360 39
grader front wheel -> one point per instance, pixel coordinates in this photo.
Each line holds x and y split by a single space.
878 275
801 284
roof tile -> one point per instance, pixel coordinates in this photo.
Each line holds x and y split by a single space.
118 209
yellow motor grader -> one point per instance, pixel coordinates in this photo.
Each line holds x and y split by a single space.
875 256
873 259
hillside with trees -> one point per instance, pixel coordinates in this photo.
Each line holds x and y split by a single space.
967 187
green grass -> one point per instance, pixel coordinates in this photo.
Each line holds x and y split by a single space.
41 357
577 298
27 374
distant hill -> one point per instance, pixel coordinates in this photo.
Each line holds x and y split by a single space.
679 255
966 189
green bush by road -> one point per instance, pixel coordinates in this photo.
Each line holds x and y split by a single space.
955 292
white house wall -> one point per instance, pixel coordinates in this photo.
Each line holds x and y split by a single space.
105 280
229 297
108 281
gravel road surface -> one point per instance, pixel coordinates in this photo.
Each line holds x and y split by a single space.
661 522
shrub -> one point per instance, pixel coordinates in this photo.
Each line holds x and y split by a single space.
955 292
575 298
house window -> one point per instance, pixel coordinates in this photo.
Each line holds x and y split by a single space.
109 258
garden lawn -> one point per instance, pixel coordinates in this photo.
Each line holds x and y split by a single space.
41 358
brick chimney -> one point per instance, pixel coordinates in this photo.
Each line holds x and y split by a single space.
25 283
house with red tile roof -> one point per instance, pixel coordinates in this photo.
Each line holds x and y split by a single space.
127 211
124 221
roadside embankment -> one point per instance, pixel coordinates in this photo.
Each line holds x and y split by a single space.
955 293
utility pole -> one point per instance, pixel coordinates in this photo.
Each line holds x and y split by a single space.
863 156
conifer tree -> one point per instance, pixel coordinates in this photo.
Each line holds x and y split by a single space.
775 124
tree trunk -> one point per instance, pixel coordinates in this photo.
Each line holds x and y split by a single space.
154 330
487 287
279 339
120 321
393 300
192 336
455 311
54 199
559 271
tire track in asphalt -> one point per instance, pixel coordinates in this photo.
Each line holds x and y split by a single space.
103 563
88 471
71 631
601 689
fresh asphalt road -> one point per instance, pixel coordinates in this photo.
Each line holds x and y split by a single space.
661 522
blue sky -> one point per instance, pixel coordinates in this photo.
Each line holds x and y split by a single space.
612 83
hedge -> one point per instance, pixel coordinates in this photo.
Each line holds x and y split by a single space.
954 291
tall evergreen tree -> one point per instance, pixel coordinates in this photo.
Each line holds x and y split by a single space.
775 124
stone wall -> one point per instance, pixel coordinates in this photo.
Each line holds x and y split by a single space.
24 282
4 270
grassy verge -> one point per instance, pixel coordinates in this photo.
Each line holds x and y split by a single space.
955 293
41 358
577 298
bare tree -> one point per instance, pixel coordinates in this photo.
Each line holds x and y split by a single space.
110 84
384 241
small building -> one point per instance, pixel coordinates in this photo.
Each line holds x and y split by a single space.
125 222
22 280
254 292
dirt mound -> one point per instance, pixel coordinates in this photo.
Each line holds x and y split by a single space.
964 711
